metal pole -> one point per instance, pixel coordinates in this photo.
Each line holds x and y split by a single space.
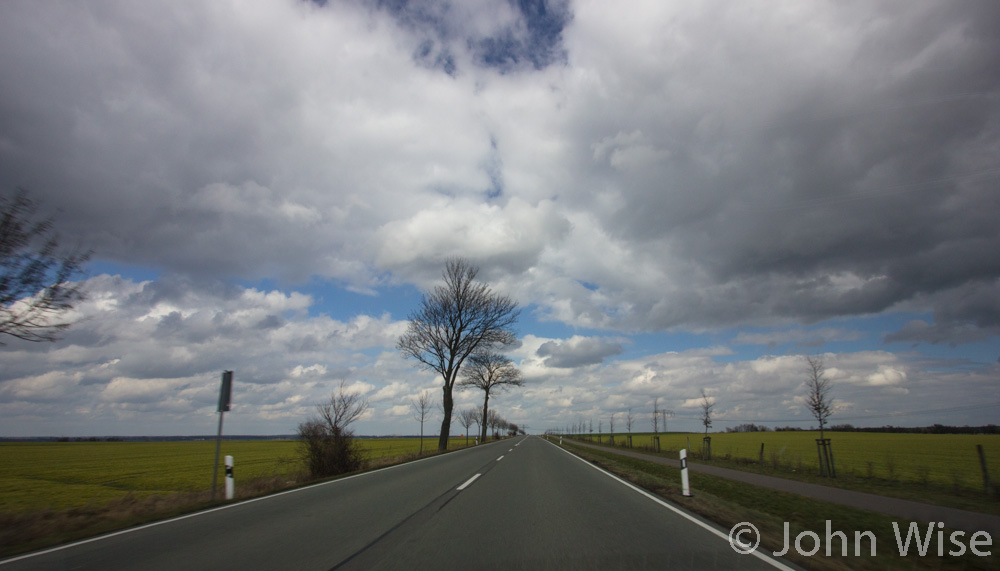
218 445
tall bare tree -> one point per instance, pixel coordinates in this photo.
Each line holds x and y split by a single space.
706 410
818 399
453 322
35 278
421 410
492 373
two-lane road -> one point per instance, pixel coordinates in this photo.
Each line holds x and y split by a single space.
516 504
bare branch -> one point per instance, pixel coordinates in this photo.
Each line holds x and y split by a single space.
35 280
342 410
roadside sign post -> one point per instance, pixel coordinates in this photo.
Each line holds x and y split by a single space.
685 487
225 394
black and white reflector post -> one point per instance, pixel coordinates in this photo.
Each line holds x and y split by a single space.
685 487
230 485
225 394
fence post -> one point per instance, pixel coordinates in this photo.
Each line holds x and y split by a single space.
761 459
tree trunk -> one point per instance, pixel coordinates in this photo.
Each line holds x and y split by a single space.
446 421
486 401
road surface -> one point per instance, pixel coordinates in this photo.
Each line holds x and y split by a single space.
515 504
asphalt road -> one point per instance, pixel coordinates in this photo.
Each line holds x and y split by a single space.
516 504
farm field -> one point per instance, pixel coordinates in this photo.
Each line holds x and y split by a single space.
947 459
60 475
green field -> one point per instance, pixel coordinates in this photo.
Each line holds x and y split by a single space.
51 475
949 459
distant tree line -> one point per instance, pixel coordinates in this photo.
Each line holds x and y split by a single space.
749 427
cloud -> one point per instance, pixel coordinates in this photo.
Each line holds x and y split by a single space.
967 314
578 351
676 168
799 337
158 348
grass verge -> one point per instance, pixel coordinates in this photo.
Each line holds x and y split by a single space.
727 503
928 492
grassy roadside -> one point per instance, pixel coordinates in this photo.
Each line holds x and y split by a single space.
25 531
727 503
928 492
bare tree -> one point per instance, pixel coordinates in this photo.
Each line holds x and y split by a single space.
467 417
512 429
611 428
628 425
818 399
454 321
490 372
493 420
328 442
707 405
421 410
35 279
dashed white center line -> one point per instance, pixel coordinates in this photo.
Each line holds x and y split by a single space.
500 458
467 482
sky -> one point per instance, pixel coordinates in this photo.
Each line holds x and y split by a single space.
681 196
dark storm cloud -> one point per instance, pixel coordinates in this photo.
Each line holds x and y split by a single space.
846 179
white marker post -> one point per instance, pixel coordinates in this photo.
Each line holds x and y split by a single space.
230 484
685 487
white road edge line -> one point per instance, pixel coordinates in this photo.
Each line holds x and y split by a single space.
220 508
467 482
773 562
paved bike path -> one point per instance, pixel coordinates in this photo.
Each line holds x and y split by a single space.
910 510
